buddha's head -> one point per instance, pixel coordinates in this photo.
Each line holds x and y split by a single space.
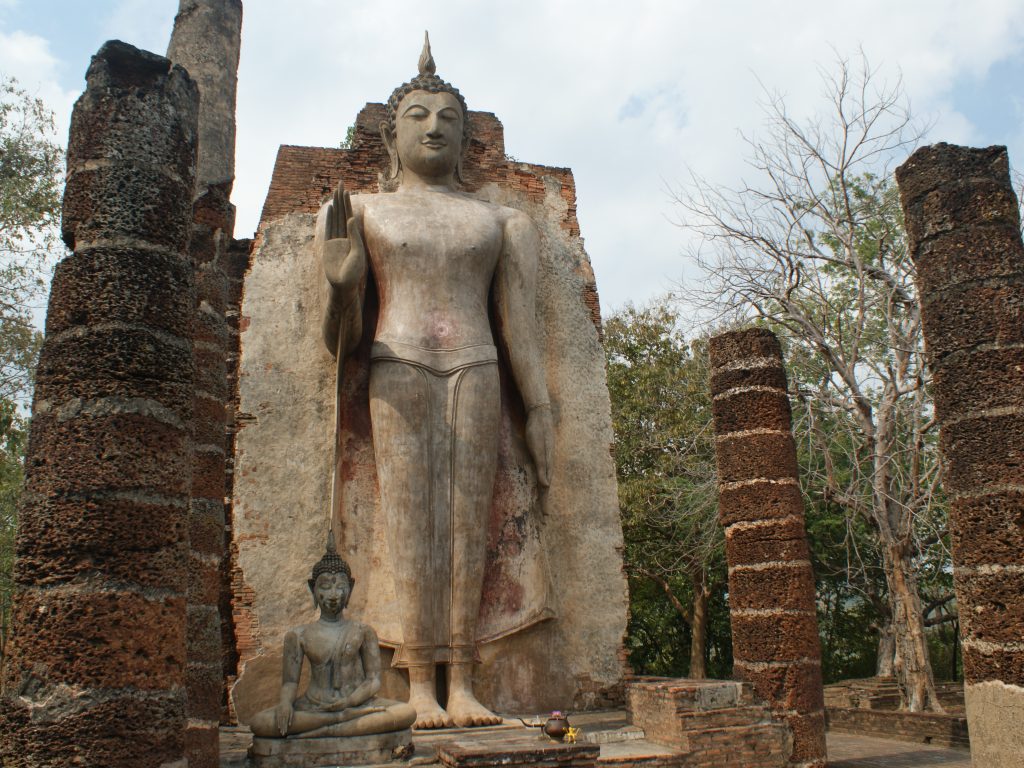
427 127
331 581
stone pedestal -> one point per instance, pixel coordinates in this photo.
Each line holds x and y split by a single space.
319 753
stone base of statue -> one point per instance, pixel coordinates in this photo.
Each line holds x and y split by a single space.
298 752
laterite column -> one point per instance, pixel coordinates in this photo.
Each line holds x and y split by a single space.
206 41
212 224
96 675
964 229
771 585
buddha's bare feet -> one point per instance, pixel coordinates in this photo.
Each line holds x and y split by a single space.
467 712
429 714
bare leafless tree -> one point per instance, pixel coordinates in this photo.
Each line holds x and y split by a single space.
815 247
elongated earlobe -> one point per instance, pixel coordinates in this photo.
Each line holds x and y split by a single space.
388 136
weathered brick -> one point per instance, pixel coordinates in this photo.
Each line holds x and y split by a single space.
755 457
794 686
786 587
120 363
975 313
984 451
116 731
781 540
728 348
723 380
997 604
988 529
97 657
759 501
108 639
964 229
122 285
778 637
752 410
122 452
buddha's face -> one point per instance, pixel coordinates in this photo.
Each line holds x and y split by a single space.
331 592
428 133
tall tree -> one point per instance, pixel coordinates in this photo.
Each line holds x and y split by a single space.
815 247
664 455
31 165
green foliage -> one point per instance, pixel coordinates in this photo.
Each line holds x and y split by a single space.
12 448
944 647
664 457
350 137
31 165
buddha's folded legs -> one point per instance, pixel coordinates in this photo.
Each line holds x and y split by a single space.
374 716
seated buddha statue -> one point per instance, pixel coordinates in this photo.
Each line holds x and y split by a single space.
344 663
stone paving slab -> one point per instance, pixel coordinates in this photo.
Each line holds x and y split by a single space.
845 750
850 751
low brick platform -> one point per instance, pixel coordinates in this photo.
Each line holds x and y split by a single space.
870 707
713 723
916 727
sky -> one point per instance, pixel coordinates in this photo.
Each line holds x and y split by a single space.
633 97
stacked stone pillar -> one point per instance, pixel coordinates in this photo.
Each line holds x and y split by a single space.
213 219
96 674
964 230
206 41
771 585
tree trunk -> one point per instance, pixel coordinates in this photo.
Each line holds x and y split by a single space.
886 664
913 668
699 630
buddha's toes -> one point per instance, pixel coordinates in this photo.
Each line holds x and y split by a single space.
467 712
429 715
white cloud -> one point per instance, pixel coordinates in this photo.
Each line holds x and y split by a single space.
143 23
28 59
628 96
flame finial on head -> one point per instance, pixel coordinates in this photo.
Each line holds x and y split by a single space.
331 562
426 62
427 80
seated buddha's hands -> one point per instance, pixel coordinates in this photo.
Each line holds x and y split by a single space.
283 714
540 441
341 241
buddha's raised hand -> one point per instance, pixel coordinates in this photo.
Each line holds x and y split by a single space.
340 240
